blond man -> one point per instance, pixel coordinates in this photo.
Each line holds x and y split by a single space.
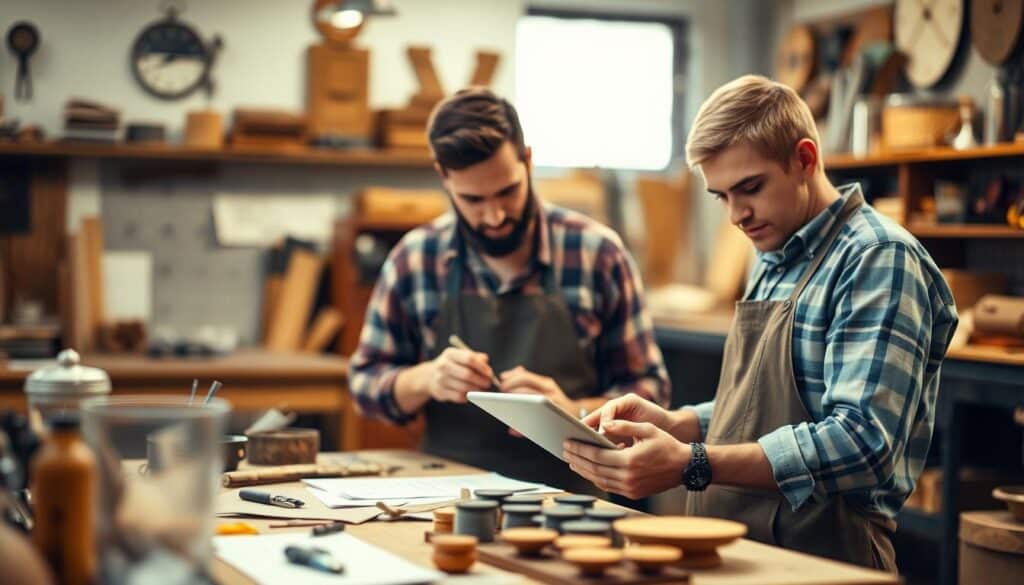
826 404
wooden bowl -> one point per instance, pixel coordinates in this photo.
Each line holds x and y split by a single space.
592 562
697 537
651 559
1013 495
529 541
568 541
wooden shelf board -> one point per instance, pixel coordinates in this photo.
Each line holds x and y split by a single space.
354 157
964 231
892 158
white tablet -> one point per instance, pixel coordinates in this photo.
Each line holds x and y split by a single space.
538 419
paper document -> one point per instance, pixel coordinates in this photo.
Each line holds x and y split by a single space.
414 488
333 500
261 558
261 220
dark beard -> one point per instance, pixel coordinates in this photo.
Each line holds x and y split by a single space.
499 247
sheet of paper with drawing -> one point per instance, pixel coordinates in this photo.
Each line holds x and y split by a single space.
262 559
373 489
538 419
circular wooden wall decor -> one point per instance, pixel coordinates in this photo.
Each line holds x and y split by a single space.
929 33
996 27
794 63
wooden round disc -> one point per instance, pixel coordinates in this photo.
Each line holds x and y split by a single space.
593 561
996 27
657 554
794 63
582 541
930 34
454 543
685 532
528 540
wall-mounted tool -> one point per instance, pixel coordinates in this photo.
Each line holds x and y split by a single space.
23 40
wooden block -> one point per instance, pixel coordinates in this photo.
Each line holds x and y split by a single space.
296 301
486 64
327 324
81 336
92 240
337 96
426 75
284 447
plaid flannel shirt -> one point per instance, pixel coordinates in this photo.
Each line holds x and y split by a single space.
594 273
871 331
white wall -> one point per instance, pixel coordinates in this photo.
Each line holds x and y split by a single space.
86 45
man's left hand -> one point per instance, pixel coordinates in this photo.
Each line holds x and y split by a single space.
519 380
652 464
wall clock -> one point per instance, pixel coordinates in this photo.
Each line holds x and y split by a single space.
170 60
929 32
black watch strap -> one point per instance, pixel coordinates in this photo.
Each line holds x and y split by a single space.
697 475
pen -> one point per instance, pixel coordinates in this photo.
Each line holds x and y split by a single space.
270 499
457 342
314 558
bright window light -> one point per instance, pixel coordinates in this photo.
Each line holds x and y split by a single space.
595 92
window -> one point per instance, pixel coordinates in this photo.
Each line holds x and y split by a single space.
598 91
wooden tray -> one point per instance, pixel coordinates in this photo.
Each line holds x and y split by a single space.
551 569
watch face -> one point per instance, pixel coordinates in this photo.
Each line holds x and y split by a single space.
169 60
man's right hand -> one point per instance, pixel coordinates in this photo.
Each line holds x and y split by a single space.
457 371
682 424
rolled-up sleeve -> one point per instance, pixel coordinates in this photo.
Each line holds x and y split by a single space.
387 345
628 358
704 410
876 355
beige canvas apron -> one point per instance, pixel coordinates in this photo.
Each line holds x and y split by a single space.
757 394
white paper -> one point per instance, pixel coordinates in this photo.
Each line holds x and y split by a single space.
333 500
261 558
262 220
128 285
416 488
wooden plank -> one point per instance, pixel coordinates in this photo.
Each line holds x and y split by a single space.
992 355
80 336
295 303
549 568
355 157
325 326
91 236
965 230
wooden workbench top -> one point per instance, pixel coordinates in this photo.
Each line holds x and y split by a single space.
244 364
745 561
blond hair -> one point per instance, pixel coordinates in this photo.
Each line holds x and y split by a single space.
769 116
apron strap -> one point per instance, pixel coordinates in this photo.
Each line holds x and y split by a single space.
852 204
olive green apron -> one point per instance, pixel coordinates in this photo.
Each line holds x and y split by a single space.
533 331
757 394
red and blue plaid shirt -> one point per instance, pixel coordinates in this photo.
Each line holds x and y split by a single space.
595 274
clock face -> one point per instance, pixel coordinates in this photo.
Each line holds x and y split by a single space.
169 60
928 32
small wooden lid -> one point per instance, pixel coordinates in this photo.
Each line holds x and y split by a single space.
652 554
591 559
444 514
582 541
528 535
454 543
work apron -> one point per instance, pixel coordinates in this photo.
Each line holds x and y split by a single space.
757 394
533 331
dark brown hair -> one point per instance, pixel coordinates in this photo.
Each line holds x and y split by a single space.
469 127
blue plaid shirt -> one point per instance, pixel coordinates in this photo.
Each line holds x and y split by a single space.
871 331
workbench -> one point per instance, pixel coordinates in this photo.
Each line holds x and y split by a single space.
693 345
253 380
744 561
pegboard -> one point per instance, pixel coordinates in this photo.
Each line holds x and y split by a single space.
196 281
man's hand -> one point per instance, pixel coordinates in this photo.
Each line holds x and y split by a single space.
519 380
629 407
456 372
653 463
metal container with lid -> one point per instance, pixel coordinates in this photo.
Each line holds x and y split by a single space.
63 387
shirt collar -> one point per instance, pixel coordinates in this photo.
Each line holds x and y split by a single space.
811 236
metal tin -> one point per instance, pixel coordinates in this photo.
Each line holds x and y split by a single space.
476 518
554 516
589 527
609 515
63 387
518 515
581 500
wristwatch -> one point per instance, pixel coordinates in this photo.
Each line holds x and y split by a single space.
697 475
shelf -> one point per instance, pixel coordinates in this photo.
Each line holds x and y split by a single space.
354 157
929 155
966 230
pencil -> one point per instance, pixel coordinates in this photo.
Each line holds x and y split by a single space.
457 342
